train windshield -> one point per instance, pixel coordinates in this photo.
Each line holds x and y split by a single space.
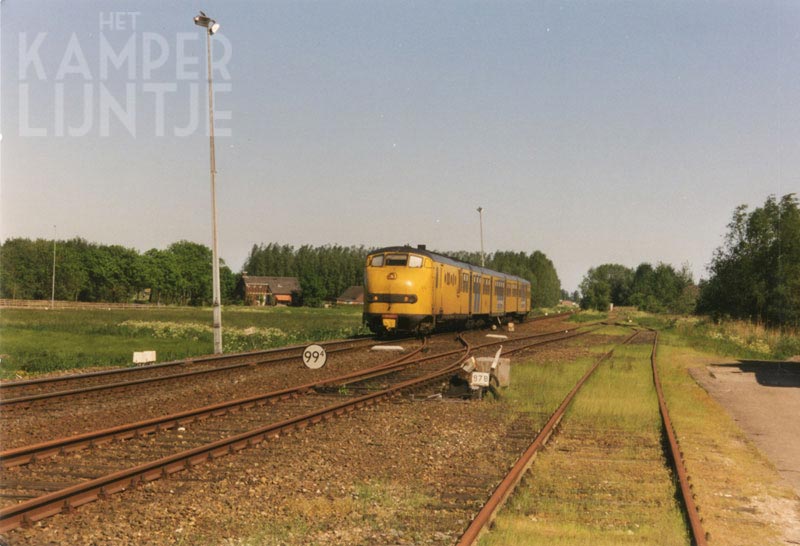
376 261
400 260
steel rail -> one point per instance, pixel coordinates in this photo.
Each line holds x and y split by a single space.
6 385
35 452
145 380
74 496
52 448
10 402
391 367
693 515
501 493
71 497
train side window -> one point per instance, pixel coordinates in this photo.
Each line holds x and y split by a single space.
376 261
414 261
465 282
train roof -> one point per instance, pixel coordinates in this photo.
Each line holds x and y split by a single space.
445 259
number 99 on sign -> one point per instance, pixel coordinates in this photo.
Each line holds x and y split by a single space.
314 357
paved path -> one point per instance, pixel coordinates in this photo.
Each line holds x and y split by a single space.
764 399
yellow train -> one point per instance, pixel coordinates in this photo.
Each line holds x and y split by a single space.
413 290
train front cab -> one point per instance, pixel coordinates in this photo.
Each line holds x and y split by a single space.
398 291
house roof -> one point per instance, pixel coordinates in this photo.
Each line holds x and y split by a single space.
352 294
276 285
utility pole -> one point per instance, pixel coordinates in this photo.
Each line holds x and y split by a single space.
212 27
53 289
483 256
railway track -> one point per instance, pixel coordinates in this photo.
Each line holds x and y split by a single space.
152 462
223 433
502 492
23 393
36 452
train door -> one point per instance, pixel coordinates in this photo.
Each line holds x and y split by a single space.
476 294
523 299
463 305
500 295
438 290
491 297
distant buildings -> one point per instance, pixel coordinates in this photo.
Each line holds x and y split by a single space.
271 290
352 296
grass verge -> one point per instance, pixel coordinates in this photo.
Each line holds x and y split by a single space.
36 341
738 491
735 338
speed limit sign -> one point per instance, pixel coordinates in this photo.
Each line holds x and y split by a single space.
314 357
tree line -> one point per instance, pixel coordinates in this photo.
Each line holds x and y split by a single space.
325 272
535 267
659 289
754 275
181 273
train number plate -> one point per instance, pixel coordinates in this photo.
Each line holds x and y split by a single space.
479 379
390 323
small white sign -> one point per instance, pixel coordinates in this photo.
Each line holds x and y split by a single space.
144 357
314 357
479 379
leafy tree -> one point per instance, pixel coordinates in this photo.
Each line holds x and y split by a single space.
535 267
663 289
26 269
755 275
606 284
546 286
323 272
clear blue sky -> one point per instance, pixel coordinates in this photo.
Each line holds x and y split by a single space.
593 131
